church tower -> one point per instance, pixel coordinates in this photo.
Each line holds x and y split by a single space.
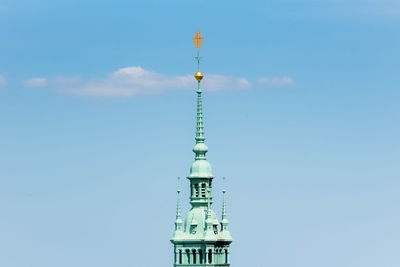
201 240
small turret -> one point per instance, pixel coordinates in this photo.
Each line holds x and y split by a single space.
209 234
224 234
178 234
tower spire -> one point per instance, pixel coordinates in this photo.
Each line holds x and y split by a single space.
198 240
200 149
200 172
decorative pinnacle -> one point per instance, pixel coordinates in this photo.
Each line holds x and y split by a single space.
209 204
223 202
198 41
224 222
178 205
178 234
209 234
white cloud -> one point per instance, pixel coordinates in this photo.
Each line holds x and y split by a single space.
36 82
3 81
216 82
133 81
128 81
276 81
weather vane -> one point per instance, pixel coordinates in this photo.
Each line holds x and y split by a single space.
198 41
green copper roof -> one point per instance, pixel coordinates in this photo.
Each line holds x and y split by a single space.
200 169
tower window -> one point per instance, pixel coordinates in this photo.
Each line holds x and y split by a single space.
194 256
196 189
203 190
180 256
200 256
226 256
188 256
209 256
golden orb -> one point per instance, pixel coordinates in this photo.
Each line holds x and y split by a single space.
199 76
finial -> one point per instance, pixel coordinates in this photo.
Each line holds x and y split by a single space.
198 39
198 76
223 183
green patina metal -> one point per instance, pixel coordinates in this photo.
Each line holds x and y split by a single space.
201 240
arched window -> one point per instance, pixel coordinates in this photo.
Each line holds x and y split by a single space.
209 256
203 190
188 256
215 228
180 256
194 256
200 256
196 190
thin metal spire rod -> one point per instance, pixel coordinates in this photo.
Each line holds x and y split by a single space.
198 58
178 204
223 200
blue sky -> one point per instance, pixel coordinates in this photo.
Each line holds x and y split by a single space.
97 110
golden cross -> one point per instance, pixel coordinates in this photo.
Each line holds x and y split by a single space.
198 39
